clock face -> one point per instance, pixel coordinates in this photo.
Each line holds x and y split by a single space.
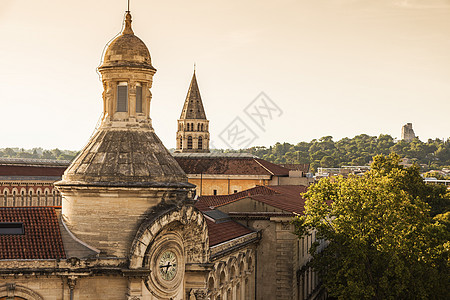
168 265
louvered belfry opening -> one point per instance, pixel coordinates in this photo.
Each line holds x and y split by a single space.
138 99
122 97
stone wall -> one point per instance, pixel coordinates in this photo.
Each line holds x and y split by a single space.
408 132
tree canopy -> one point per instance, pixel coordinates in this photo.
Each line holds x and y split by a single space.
384 242
359 150
38 153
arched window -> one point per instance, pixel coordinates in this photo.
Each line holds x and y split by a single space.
222 278
122 97
181 142
232 272
211 284
46 196
14 198
5 197
189 142
30 194
138 98
202 128
187 127
200 142
22 196
198 127
192 127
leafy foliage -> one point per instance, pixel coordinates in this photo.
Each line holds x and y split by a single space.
383 241
324 152
38 153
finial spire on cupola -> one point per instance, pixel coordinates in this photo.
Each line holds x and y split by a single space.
128 21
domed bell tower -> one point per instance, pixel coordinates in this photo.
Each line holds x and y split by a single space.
124 172
127 75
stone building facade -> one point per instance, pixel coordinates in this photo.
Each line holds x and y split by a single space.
228 173
29 182
283 264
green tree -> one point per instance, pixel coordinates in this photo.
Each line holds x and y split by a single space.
383 242
9 152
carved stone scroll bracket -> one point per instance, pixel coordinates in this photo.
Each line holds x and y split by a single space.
198 294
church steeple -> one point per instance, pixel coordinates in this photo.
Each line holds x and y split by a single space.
193 131
193 105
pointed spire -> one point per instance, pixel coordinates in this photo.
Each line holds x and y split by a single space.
128 21
193 105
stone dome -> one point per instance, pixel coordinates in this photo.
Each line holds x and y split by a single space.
125 158
127 50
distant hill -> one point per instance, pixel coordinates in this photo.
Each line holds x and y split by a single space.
38 153
324 152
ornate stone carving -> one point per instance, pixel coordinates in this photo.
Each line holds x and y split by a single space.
72 282
11 290
200 294
285 226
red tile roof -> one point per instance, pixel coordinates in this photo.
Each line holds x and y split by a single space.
284 197
274 169
42 238
205 202
229 166
225 231
32 167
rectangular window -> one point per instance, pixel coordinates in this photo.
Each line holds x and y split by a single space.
215 192
122 97
13 228
138 98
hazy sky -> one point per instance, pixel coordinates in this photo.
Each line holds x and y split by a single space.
333 67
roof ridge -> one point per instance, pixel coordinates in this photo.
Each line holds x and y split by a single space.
256 159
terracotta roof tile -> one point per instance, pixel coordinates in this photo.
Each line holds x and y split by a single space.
274 169
222 232
42 238
284 197
205 202
230 166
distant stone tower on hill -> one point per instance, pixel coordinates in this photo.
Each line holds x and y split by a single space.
408 132
193 127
